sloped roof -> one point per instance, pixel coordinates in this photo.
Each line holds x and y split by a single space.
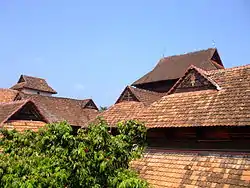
229 106
30 82
8 109
174 67
145 96
7 95
58 108
123 111
164 168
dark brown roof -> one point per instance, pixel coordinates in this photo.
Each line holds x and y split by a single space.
8 109
164 168
174 67
58 108
141 95
7 95
228 106
30 82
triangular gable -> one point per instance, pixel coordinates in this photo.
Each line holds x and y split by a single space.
127 95
193 80
90 105
28 112
21 79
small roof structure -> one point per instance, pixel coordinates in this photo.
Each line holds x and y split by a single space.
131 101
131 93
55 109
174 67
204 98
9 110
34 83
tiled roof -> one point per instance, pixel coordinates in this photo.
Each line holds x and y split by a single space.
121 112
174 67
58 109
8 109
22 125
181 169
7 95
228 106
125 110
30 82
145 96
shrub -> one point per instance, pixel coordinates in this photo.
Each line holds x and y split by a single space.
55 157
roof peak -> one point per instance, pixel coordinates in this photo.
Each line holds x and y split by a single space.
189 53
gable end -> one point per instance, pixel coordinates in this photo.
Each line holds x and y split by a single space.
193 80
127 95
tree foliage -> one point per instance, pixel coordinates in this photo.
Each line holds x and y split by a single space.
103 108
55 157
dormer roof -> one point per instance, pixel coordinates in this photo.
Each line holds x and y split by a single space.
34 83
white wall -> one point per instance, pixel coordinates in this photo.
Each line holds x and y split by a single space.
32 91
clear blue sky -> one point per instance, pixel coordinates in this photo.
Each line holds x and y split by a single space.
95 48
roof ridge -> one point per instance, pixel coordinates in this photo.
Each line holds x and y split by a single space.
188 53
228 69
56 97
32 77
145 90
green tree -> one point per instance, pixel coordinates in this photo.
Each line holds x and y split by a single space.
55 157
103 108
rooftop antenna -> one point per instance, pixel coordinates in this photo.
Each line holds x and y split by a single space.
213 44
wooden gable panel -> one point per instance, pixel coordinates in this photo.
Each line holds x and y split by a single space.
194 81
27 112
91 105
127 95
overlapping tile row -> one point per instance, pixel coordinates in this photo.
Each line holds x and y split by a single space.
7 95
228 106
162 168
22 125
146 96
121 112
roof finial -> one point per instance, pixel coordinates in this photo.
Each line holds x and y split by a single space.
163 54
213 44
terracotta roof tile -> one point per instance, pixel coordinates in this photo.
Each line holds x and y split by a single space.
8 109
30 82
22 125
123 111
7 95
58 109
229 106
174 67
141 95
162 168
